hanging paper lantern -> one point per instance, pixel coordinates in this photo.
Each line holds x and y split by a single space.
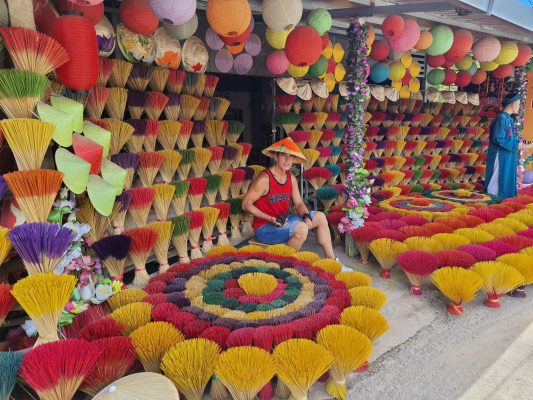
442 40
303 46
464 63
338 52
406 59
397 71
392 26
472 70
319 68
436 61
228 17
508 53
524 54
380 50
486 49
212 40
277 62
325 40
370 36
415 68
253 45
328 50
406 78
488 66
297 72
379 72
237 49
447 63
185 31
414 85
77 36
463 79
408 38
449 77
105 36
425 40
224 61
176 12
462 43
137 16
503 71
435 76
93 12
276 39
479 77
243 63
320 20
236 40
282 15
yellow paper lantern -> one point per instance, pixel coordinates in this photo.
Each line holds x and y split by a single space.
338 52
405 93
329 78
276 39
414 85
229 17
464 63
508 53
297 72
415 68
370 36
397 71
396 85
328 51
340 72
406 59
488 66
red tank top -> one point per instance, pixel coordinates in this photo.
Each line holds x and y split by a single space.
276 201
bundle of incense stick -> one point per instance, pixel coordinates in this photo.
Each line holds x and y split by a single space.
150 137
246 149
141 202
235 216
116 102
136 103
222 222
187 157
94 106
175 81
225 182
185 134
211 190
129 162
198 133
195 230
164 194
228 157
196 192
238 156
120 73
159 78
201 160
142 243
188 105
20 91
112 251
123 201
180 234
170 165
121 132
237 176
211 82
210 219
100 225
172 109
105 68
168 134
201 111
155 104
180 196
149 165
249 174
213 131
135 143
140 77
235 129
216 159
164 234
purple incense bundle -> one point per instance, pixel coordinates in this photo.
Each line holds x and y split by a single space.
135 143
198 133
112 251
41 245
228 157
3 186
129 162
136 103
172 109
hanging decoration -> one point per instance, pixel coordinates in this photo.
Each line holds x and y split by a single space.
356 192
520 86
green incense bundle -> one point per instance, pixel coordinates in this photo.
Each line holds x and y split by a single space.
327 196
187 158
180 196
213 184
235 216
20 91
235 129
335 154
180 233
289 121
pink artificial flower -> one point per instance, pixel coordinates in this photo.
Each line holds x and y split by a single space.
351 203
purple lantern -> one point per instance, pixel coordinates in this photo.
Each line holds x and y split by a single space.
175 12
243 63
253 45
212 40
224 61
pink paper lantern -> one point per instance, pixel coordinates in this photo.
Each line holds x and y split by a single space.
408 38
277 62
503 71
175 12
487 49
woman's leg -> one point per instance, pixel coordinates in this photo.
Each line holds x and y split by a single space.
323 235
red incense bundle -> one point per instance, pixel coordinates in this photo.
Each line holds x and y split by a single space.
284 102
222 222
327 137
141 202
149 164
237 178
105 68
211 82
96 100
317 176
185 134
418 266
300 138
175 81
142 243
7 301
246 149
195 230
196 191
216 158
308 120
150 136
155 104
200 113
325 153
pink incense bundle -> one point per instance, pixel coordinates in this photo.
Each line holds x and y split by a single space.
105 68
332 120
393 224
300 138
417 265
175 81
237 178
195 230
149 164
455 258
155 104
89 151
222 222
362 238
327 137
196 192
317 176
216 159
246 149
150 135
284 102
142 243
141 203
308 120
325 153
96 100
487 214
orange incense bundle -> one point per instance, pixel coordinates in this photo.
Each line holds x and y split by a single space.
307 121
170 164
201 111
195 230
164 194
317 176
142 243
151 133
35 191
105 67
196 192
155 104
225 183
210 219
237 178
149 164
246 149
168 133
201 160
175 81
164 234
185 134
141 202
222 222
96 100
216 159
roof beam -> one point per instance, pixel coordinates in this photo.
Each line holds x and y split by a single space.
390 10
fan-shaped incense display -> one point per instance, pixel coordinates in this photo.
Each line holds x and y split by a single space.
459 285
7 301
9 366
168 134
140 386
164 234
20 91
187 158
368 296
180 233
132 316
120 73
142 200
142 243
222 222
112 251
159 78
125 297
195 230
210 219
163 197
498 279
155 104
121 132
96 100
116 103
417 265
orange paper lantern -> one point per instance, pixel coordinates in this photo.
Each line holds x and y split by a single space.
426 38
392 26
503 71
229 17
524 54
137 16
479 77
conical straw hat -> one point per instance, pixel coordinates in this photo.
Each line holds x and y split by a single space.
141 386
286 146
288 85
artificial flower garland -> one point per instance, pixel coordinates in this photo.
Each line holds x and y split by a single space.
521 87
356 193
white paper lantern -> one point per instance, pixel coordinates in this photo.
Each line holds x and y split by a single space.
282 15
184 31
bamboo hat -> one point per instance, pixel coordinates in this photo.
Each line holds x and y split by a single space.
286 146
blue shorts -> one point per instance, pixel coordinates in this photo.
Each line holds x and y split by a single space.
271 234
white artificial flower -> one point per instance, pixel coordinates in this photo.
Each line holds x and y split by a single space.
29 327
87 292
103 292
79 229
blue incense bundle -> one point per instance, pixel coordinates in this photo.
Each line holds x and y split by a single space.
9 366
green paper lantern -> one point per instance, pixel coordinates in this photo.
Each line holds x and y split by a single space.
114 174
320 20
99 135
75 170
70 107
61 120
101 194
442 40
318 68
435 76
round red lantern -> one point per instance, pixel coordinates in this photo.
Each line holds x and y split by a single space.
393 26
447 63
436 61
93 13
503 71
463 79
331 65
228 17
380 50
479 77
303 46
137 16
325 40
277 62
406 78
524 54
449 77
78 37
237 40
462 43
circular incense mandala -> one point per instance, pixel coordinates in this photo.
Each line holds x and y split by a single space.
425 207
463 196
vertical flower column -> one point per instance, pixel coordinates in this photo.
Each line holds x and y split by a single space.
356 194
520 86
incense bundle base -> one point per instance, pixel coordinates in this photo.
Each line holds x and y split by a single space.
223 238
180 243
